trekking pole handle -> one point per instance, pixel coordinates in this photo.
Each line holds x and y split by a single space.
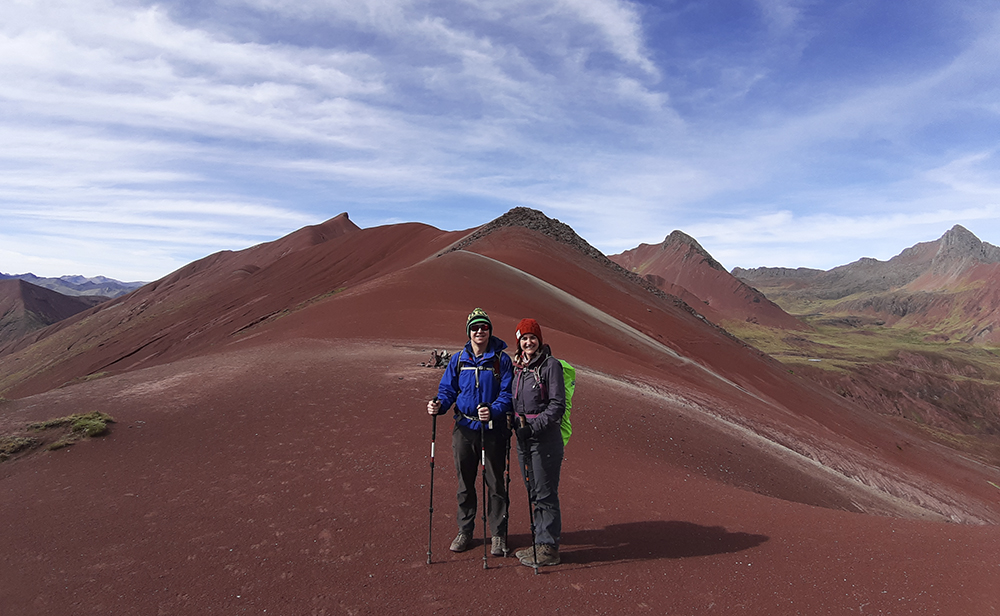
489 422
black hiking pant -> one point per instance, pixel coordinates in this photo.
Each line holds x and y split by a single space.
465 447
544 451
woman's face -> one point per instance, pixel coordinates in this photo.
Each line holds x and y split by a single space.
529 344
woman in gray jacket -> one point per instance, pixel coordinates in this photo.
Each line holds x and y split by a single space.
539 403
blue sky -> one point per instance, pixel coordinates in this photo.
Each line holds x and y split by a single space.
138 137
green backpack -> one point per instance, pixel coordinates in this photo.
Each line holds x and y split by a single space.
569 378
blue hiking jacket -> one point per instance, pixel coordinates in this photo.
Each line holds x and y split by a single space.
469 381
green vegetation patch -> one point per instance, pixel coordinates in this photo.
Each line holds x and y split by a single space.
76 427
85 424
11 445
847 343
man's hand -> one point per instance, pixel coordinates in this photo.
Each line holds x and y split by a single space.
484 412
434 407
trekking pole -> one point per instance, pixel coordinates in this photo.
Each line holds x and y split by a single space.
430 520
529 480
486 502
506 475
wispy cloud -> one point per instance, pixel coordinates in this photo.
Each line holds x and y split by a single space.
173 129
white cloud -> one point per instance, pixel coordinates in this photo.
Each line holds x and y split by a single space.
619 24
204 116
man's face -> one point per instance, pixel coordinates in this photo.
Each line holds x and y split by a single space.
479 333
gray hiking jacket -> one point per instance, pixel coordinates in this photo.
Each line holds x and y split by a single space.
540 392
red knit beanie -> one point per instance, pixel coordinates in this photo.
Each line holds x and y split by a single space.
528 326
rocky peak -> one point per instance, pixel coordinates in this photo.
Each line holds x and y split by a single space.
960 243
536 221
561 232
679 237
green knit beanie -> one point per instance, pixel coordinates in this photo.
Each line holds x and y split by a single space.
477 316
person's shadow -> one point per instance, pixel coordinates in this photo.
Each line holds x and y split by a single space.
652 540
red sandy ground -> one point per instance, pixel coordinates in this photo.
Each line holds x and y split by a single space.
283 468
283 480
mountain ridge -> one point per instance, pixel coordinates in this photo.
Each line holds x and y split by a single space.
954 250
946 286
76 285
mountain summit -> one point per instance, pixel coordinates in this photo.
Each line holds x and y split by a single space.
961 244
681 266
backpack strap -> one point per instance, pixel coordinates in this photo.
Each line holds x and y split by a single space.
495 368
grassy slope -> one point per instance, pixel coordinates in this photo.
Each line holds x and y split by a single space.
947 389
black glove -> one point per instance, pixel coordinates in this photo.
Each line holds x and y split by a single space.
524 432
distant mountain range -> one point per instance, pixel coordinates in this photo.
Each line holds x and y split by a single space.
949 288
79 285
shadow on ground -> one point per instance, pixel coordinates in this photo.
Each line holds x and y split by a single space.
653 540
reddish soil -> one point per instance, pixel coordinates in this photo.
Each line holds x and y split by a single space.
280 465
282 480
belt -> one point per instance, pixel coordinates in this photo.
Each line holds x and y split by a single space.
476 418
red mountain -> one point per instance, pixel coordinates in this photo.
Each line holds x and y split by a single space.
270 450
25 308
682 267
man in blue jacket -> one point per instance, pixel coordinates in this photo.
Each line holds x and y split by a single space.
477 382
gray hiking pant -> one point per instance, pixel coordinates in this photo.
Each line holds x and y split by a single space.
545 452
465 447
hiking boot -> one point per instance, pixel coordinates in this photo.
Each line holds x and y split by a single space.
499 546
547 555
461 543
522 553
